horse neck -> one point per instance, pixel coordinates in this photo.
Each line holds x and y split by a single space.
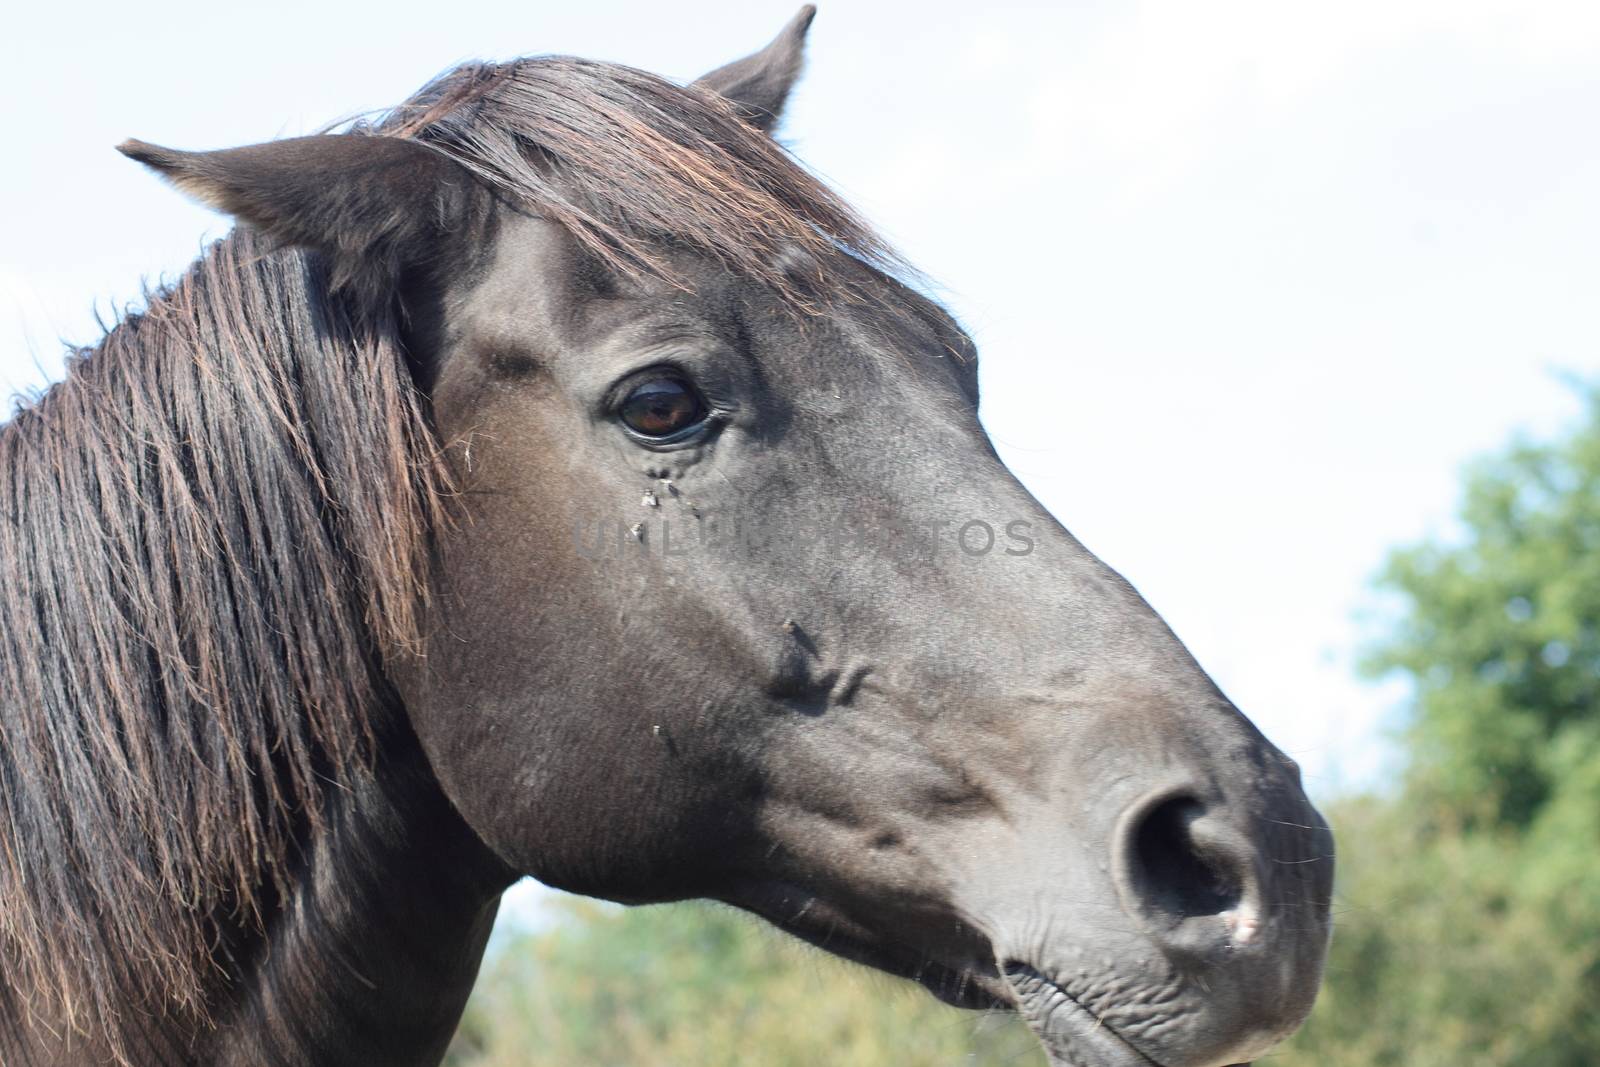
368 962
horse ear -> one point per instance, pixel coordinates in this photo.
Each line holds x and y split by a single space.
375 206
759 84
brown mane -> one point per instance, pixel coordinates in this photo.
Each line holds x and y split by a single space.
216 531
630 164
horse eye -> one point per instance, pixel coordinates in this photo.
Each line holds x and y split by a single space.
662 407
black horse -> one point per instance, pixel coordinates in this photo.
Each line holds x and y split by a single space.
554 478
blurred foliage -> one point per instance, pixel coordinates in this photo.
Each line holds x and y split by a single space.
1468 904
701 985
1502 637
1457 947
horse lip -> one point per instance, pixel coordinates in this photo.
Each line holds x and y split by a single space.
813 918
1072 1035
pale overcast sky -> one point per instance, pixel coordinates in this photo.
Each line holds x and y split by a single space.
1251 279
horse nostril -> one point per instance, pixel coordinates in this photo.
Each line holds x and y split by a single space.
1178 869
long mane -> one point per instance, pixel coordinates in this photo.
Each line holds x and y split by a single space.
210 536
215 536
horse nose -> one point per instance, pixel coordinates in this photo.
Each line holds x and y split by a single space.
1186 874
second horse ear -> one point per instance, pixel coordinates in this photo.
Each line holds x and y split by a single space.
759 84
375 207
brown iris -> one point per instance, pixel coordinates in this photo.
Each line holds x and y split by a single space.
662 407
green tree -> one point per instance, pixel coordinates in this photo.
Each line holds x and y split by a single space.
1469 902
1501 636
